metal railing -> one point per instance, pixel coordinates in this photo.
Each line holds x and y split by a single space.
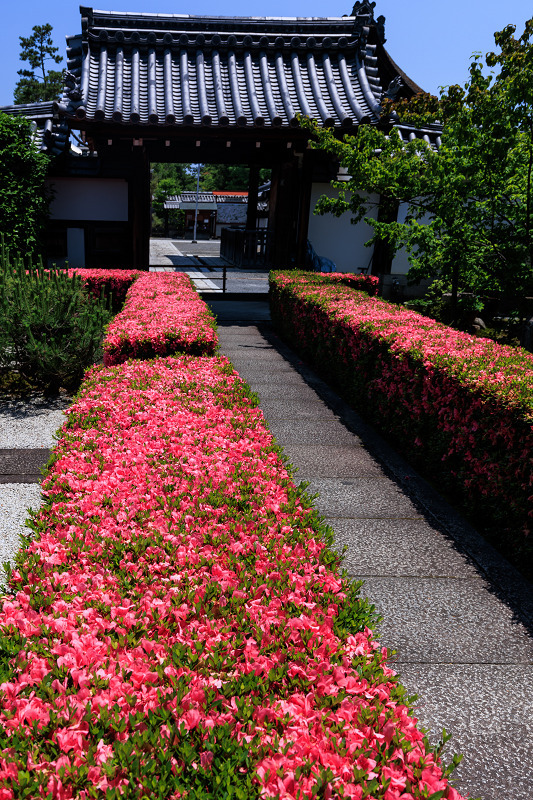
246 248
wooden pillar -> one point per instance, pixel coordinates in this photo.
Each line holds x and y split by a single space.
304 193
253 187
139 207
383 255
284 214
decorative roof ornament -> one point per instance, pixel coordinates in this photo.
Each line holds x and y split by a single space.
394 88
380 25
363 7
391 93
363 11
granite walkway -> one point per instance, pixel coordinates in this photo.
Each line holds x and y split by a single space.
202 262
458 616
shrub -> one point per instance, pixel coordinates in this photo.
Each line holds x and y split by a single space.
23 199
363 283
163 314
178 626
113 283
51 329
460 406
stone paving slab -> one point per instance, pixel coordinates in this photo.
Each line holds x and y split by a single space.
242 342
253 355
235 333
280 375
297 392
496 737
256 310
284 408
321 461
510 685
361 498
22 465
446 620
418 549
308 432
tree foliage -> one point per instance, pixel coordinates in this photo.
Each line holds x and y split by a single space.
224 177
38 82
168 180
228 177
468 204
23 200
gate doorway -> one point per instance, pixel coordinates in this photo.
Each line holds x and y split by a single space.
226 204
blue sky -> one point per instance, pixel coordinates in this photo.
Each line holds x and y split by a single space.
431 41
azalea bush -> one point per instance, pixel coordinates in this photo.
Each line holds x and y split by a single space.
177 625
364 283
460 406
162 314
112 283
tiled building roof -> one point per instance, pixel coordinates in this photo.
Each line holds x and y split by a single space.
187 200
228 71
50 133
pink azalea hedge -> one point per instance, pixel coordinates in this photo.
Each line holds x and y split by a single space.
108 281
460 406
178 627
163 314
363 283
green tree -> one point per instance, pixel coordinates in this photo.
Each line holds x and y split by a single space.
224 177
23 199
38 82
228 177
469 203
168 180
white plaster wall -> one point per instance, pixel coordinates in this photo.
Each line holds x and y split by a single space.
400 264
336 238
104 199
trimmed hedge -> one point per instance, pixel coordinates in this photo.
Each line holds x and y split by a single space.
460 407
178 627
163 314
363 283
114 282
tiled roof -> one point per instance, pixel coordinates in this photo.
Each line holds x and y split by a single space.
211 199
227 71
51 134
231 197
186 200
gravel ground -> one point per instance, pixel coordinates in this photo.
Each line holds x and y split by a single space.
24 424
31 423
15 500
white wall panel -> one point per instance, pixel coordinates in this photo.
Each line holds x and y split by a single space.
89 199
336 238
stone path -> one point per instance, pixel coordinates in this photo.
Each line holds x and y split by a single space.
203 263
459 617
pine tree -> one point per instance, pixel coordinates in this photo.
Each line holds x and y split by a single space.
38 83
